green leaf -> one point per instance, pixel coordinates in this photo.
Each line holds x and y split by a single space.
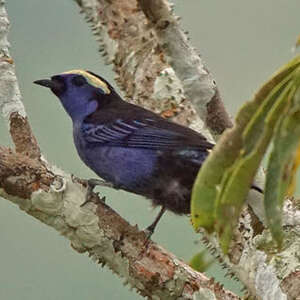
280 170
205 189
239 178
224 179
295 166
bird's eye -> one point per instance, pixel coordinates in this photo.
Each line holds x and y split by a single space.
79 80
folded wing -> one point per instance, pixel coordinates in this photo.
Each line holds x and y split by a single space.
148 134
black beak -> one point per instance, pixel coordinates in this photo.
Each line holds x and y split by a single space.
46 83
56 84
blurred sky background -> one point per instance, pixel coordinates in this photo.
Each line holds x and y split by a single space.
242 42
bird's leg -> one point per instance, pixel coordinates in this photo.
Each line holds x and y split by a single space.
150 229
91 184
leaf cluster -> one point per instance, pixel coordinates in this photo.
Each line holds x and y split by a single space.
223 183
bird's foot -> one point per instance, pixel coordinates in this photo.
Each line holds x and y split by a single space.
149 231
90 195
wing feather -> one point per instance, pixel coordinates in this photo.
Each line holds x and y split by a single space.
147 134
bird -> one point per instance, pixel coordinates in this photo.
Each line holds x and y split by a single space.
129 147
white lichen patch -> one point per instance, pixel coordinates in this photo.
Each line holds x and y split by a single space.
257 270
82 219
4 27
62 211
266 283
198 125
10 96
60 225
260 271
55 169
291 215
167 84
89 236
48 202
200 90
176 284
73 213
287 260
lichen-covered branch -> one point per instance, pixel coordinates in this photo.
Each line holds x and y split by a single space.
11 104
145 68
198 84
147 53
54 198
268 273
131 45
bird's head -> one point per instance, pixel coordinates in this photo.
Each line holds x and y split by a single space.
80 92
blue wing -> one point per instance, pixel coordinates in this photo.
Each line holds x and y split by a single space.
149 134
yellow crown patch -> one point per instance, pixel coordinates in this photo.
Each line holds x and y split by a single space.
91 79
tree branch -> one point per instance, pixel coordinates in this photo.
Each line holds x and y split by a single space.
11 104
127 41
140 56
54 198
198 84
51 196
